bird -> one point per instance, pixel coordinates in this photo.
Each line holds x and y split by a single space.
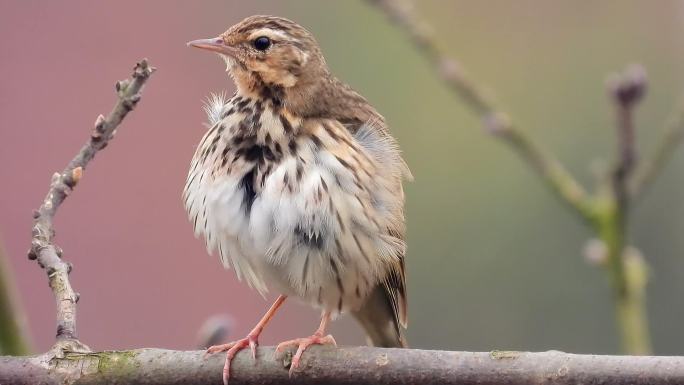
297 184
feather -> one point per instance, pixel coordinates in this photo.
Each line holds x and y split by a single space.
213 107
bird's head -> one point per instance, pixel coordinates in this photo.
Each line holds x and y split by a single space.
267 51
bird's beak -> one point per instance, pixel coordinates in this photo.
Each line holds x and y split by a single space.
216 44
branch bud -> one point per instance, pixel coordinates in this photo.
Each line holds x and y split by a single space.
497 123
450 69
121 86
73 178
629 87
100 123
595 252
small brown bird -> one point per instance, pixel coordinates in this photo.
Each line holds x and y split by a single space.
298 185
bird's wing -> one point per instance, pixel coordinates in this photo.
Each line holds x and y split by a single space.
374 136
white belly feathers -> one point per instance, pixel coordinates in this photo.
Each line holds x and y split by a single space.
291 208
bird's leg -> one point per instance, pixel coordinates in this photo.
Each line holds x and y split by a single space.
318 338
252 339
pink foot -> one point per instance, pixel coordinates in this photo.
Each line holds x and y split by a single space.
232 349
302 345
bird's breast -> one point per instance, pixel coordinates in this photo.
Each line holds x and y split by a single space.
297 205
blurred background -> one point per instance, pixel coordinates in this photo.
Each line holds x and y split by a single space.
495 260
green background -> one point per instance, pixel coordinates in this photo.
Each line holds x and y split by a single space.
495 260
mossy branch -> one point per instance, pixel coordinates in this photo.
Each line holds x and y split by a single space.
327 365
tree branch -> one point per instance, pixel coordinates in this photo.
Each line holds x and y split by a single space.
47 254
478 101
360 365
626 91
626 268
650 167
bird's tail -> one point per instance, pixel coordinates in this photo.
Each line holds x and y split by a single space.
380 321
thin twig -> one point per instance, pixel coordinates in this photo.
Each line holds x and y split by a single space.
494 120
47 254
651 166
626 91
358 365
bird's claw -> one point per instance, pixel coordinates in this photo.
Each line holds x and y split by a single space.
232 349
303 344
217 349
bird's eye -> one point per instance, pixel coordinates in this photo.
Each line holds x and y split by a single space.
262 43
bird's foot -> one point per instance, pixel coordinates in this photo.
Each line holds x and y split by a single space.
302 344
232 349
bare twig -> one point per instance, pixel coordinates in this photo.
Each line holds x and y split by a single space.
651 166
47 254
360 365
474 96
626 90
